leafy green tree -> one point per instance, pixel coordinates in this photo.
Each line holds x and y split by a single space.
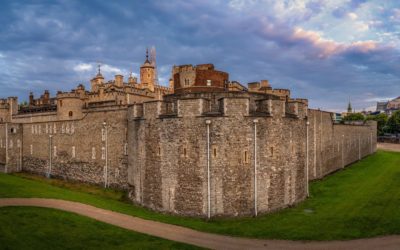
393 123
24 103
381 120
354 117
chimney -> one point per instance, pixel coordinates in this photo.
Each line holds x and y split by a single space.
265 84
46 97
119 80
31 99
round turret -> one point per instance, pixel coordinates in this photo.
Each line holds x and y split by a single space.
147 74
69 106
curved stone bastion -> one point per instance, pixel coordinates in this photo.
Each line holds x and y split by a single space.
234 153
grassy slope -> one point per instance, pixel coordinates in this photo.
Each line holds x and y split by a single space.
360 201
44 228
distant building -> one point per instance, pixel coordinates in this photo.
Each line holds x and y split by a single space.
381 106
337 117
388 107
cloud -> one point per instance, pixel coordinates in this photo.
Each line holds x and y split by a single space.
362 27
313 43
83 67
317 49
352 15
110 69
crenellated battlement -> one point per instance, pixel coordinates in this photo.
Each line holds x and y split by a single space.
4 104
62 95
224 106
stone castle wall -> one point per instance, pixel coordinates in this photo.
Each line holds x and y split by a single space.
10 147
168 158
334 146
158 150
78 147
168 154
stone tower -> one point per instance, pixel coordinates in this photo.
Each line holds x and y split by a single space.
147 74
97 80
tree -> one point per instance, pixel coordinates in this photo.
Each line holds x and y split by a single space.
24 103
354 117
393 123
381 120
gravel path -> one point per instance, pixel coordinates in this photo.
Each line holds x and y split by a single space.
207 240
389 147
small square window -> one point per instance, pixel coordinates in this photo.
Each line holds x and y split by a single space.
187 82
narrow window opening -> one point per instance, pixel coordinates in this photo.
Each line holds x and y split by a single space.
126 148
103 134
272 151
67 128
184 152
93 153
70 114
103 153
215 152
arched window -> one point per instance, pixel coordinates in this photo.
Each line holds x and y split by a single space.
70 114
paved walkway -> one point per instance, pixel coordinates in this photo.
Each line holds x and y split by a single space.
207 240
389 147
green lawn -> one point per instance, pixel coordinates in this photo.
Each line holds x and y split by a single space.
44 228
361 201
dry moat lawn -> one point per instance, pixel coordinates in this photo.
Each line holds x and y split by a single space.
44 228
360 201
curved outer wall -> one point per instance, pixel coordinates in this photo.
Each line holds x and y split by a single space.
165 179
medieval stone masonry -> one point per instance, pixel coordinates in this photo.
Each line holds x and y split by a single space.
204 146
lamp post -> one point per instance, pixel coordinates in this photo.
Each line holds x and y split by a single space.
307 171
6 166
106 155
50 155
343 151
255 166
208 122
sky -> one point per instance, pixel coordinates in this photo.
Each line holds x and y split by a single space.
328 51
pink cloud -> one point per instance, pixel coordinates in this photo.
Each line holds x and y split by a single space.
314 43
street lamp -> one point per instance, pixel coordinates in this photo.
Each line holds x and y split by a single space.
106 155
